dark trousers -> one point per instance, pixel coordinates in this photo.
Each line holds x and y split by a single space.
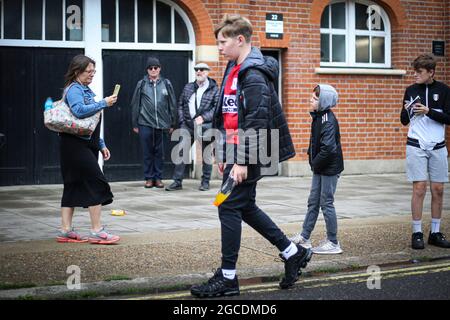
152 149
206 158
240 206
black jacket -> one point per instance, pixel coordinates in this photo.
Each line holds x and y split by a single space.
258 109
154 105
207 106
435 96
325 152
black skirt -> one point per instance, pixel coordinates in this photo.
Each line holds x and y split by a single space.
84 182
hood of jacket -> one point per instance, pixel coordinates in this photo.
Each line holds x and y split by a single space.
267 65
328 97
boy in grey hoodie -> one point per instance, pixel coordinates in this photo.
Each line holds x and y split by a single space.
325 158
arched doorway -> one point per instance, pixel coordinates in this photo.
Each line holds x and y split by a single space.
38 40
132 31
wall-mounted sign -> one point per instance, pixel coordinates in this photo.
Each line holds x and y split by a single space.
274 26
439 48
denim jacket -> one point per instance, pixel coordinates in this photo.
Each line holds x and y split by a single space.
80 99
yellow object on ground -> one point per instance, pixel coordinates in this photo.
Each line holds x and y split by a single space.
117 212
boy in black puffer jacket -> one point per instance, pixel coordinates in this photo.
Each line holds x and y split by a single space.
247 107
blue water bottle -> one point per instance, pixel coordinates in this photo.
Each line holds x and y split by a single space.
48 104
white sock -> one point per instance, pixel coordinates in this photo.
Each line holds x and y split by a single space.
229 273
435 224
417 226
290 251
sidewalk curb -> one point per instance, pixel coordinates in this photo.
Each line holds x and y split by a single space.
153 285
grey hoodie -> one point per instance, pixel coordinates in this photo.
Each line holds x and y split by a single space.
328 97
325 151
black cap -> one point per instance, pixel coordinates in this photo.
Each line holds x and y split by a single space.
153 61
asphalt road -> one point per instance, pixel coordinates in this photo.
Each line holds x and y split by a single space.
422 281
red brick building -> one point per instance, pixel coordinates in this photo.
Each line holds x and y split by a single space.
363 48
370 100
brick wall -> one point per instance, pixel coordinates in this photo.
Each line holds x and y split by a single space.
369 106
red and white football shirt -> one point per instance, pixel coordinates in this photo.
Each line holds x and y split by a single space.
229 107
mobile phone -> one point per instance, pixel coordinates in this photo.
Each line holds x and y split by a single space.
116 90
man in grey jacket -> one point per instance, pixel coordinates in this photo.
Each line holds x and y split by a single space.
153 110
196 108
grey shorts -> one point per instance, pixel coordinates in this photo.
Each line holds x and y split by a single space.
422 165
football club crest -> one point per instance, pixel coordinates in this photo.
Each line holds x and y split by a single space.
435 97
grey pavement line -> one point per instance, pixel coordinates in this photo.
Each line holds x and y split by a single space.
276 203
30 218
260 251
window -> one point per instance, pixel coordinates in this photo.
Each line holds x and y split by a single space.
143 21
355 34
42 19
53 18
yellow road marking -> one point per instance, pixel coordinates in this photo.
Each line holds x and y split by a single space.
323 282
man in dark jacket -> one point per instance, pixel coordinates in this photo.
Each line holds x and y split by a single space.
153 110
244 111
195 110
325 158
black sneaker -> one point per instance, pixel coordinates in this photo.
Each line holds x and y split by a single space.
417 241
174 186
293 264
217 286
204 186
438 239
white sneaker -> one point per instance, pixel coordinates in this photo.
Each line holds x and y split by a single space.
327 247
298 239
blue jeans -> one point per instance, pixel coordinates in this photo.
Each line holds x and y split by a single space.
321 196
152 149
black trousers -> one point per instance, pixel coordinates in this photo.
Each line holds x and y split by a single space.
206 161
240 206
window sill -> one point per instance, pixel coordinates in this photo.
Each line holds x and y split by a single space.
361 71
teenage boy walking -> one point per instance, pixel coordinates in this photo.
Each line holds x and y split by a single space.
326 161
247 101
426 152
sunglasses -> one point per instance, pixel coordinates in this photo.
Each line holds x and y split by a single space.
200 69
153 68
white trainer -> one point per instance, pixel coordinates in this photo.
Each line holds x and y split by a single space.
327 247
298 239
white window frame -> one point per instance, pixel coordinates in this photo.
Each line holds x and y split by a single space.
108 45
42 43
154 45
350 37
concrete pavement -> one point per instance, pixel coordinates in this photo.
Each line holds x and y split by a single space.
172 239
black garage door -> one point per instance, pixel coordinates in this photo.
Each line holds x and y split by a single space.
27 77
127 68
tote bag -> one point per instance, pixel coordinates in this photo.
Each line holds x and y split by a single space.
61 119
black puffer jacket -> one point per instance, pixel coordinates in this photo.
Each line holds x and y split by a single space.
207 106
258 108
325 152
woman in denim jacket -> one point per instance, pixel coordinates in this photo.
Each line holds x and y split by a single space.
84 183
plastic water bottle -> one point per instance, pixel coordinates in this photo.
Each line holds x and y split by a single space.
48 104
225 190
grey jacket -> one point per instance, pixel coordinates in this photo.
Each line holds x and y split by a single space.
154 105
